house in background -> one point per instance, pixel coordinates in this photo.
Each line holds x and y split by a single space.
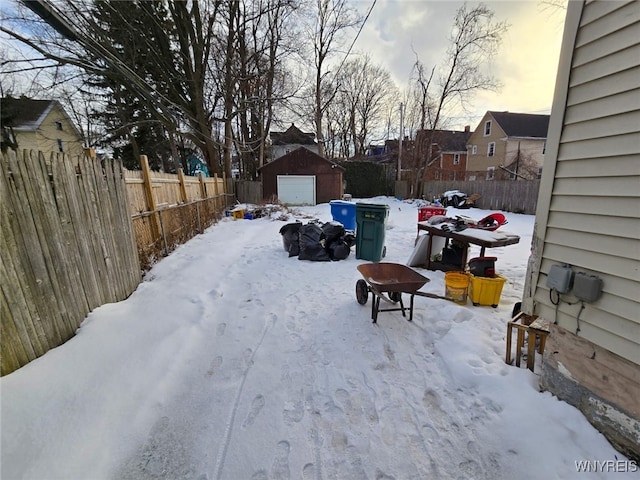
291 139
507 145
40 125
302 177
448 154
390 152
584 271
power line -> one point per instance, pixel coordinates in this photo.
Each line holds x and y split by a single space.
356 37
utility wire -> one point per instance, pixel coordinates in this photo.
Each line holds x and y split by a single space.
373 4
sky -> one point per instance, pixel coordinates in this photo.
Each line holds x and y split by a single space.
526 64
233 360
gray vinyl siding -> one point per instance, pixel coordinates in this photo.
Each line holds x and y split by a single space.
592 212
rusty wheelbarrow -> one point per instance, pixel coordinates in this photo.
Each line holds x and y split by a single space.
388 281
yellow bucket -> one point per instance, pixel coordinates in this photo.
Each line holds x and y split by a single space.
486 291
456 286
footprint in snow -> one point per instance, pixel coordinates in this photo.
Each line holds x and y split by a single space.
221 329
293 411
215 365
280 467
256 406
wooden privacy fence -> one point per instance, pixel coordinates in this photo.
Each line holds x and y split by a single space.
169 209
248 191
519 196
76 234
66 246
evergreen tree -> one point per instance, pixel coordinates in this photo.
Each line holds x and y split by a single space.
133 126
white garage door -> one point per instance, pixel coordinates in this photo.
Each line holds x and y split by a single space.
297 189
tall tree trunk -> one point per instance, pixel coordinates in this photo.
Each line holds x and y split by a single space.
229 90
319 111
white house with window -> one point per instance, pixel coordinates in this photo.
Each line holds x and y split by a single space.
40 125
291 139
507 145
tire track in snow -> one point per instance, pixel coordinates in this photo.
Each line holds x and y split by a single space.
222 453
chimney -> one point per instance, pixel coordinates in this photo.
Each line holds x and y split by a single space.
467 129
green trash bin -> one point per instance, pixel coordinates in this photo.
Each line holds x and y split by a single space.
371 220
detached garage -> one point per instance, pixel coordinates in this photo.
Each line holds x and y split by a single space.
302 177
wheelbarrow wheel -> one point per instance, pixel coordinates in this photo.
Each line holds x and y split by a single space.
395 297
362 292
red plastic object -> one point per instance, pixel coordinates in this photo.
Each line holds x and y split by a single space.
425 213
492 222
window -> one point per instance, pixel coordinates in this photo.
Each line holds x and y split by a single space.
58 125
491 172
487 128
456 159
60 149
539 173
491 149
474 149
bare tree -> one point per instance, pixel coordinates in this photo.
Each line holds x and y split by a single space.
261 48
475 37
521 166
206 70
337 121
330 20
364 93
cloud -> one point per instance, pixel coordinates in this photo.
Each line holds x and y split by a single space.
526 64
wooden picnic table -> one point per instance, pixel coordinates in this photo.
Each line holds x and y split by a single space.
470 236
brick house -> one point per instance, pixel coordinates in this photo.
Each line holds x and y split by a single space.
448 154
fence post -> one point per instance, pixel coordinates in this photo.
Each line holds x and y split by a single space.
163 233
183 187
156 229
203 187
224 187
148 187
198 217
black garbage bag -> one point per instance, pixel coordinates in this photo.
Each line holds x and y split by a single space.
333 231
339 250
453 255
349 238
290 238
312 243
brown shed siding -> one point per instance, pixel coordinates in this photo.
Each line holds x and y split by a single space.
303 162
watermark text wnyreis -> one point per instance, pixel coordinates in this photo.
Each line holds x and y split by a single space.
606 466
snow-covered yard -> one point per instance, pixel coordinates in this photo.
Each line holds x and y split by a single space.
233 361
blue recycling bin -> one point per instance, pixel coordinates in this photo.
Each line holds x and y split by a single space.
345 213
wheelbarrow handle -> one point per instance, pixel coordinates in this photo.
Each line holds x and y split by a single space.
432 295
